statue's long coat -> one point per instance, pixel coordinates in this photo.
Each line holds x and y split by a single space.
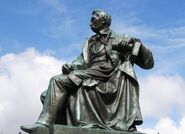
113 104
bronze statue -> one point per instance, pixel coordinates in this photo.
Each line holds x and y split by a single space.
99 89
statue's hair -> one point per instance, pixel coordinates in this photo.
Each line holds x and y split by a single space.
105 16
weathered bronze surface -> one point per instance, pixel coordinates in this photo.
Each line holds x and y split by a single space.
60 129
99 89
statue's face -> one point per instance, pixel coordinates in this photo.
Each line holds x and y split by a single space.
97 22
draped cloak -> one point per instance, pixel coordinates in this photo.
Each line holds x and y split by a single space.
113 101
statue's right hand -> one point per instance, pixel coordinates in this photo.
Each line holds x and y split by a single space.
124 45
66 68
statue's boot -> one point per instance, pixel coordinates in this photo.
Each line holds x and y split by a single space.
53 101
30 128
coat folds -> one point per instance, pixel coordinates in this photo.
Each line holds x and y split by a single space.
113 104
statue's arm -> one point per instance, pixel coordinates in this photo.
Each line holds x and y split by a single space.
135 51
78 63
142 55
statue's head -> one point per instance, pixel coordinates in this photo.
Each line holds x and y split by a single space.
100 20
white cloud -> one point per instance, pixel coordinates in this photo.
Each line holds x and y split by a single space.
167 126
162 99
23 77
161 94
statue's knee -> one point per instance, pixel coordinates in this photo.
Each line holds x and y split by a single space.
59 78
61 81
55 78
43 96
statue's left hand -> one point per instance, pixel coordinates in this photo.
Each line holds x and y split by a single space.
127 45
66 68
124 45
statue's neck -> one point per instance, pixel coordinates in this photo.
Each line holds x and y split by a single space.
104 31
103 35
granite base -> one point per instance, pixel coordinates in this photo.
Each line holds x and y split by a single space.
61 129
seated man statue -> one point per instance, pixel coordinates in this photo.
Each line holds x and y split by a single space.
99 89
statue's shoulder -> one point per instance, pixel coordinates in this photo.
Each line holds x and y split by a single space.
89 41
120 36
93 37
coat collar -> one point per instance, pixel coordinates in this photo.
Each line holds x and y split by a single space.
112 35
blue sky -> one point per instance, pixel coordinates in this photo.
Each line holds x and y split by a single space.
52 32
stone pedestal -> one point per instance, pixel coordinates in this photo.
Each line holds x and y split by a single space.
60 129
